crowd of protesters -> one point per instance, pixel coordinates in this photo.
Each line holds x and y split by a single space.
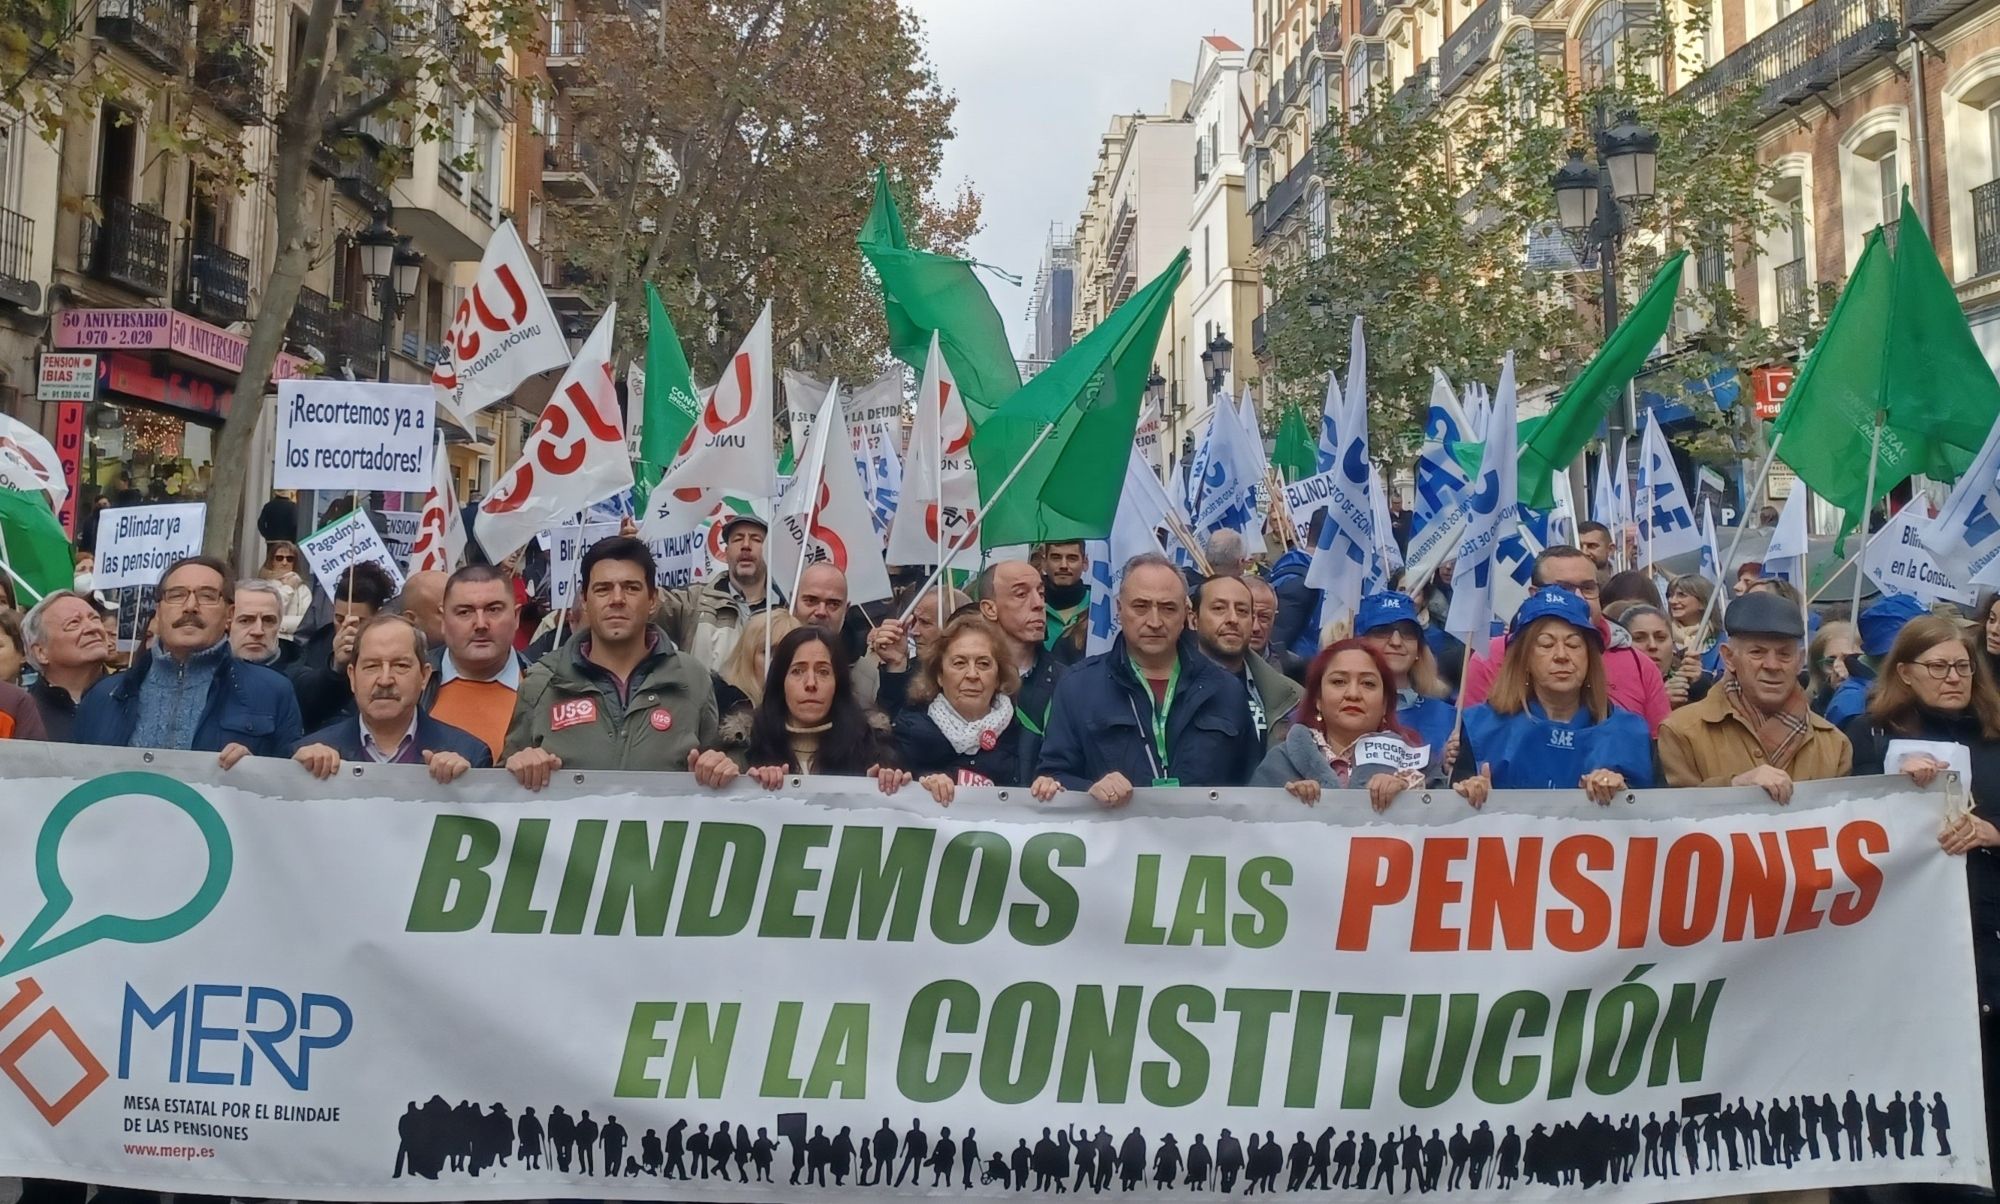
1603 682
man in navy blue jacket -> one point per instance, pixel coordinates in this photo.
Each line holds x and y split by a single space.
391 667
186 689
1153 711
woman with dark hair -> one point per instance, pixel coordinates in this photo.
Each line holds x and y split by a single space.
1986 631
1631 586
1422 701
808 722
1346 735
1548 722
1934 686
960 727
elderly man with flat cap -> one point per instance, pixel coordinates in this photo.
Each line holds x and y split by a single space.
1755 729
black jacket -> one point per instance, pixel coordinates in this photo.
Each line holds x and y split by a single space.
433 735
1102 721
1982 866
1032 704
324 692
923 750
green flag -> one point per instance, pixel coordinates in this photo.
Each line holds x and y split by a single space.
1089 402
1828 424
672 405
1575 419
35 548
1940 392
1296 452
923 293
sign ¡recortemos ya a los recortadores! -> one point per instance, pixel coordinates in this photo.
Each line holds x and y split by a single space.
618 967
354 435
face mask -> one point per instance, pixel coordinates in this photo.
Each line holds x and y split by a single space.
83 582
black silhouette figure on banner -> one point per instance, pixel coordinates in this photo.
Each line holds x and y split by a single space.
1298 1161
586 1143
614 1146
968 1154
916 1147
761 1152
1413 1159
1916 1124
562 1135
1131 1160
1899 1122
944 1157
1878 1128
1023 1161
675 1150
1459 1150
1941 1124
841 1154
1199 1162
652 1154
885 1150
1049 1164
1339 1160
698 1150
1691 1142
720 1146
1850 1118
1167 1163
1482 1151
1228 1160
1085 1155
1107 1158
797 1137
996 1170
1510 1160
818 1151
530 1132
407 1128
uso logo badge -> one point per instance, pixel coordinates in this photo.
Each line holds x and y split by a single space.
570 714
661 719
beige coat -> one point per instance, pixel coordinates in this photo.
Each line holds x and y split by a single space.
1707 744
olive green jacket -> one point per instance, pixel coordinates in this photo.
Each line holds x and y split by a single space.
572 708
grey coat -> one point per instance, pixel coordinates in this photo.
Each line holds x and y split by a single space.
1299 759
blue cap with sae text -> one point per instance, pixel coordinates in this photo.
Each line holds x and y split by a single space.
1384 610
1554 602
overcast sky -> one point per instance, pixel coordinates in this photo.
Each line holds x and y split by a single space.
1036 82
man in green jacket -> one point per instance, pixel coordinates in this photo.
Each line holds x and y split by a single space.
619 694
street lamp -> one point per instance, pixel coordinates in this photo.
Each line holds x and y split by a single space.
1590 207
393 268
1216 360
1156 388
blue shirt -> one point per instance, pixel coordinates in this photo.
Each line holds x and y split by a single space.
174 697
1530 751
1849 699
1430 718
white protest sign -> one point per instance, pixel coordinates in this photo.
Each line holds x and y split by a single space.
402 532
353 435
344 543
135 544
1898 561
1391 751
566 545
1308 496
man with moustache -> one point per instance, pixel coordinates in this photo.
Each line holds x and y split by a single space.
391 668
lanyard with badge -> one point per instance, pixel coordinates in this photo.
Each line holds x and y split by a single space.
1156 750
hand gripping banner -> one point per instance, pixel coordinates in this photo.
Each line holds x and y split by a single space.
254 983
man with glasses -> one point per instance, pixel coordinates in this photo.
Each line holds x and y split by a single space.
186 690
1631 677
1755 728
619 696
390 670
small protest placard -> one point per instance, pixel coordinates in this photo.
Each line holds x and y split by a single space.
353 435
136 543
566 545
344 543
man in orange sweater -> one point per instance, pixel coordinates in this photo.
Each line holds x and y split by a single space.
478 671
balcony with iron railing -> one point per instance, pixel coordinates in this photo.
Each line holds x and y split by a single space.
1328 33
566 44
1259 335
357 338
1470 45
215 284
1287 192
1986 227
311 324
571 168
359 178
1291 82
126 245
17 260
1788 281
1927 14
231 76
1803 54
155 30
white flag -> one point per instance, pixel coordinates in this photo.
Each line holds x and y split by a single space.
940 496
574 457
1492 515
824 516
1343 565
1785 556
504 332
1965 536
1143 506
1666 516
440 541
1711 551
29 463
729 448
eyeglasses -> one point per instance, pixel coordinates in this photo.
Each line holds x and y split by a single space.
1943 670
284 558
1582 589
181 595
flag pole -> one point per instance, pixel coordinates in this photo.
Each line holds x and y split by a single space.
1838 570
7 563
978 520
1736 540
1867 507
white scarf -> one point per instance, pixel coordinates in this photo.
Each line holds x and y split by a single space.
970 736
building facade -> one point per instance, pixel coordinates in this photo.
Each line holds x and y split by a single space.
115 243
1052 308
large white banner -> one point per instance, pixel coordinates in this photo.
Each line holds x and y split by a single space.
379 988
353 435
135 544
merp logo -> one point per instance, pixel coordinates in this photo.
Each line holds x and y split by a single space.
217 1034
50 935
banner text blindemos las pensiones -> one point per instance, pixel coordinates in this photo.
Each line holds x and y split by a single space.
376 988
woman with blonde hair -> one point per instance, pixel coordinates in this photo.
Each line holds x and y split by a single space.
1548 723
281 568
1827 663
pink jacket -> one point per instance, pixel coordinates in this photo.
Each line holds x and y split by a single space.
1631 678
